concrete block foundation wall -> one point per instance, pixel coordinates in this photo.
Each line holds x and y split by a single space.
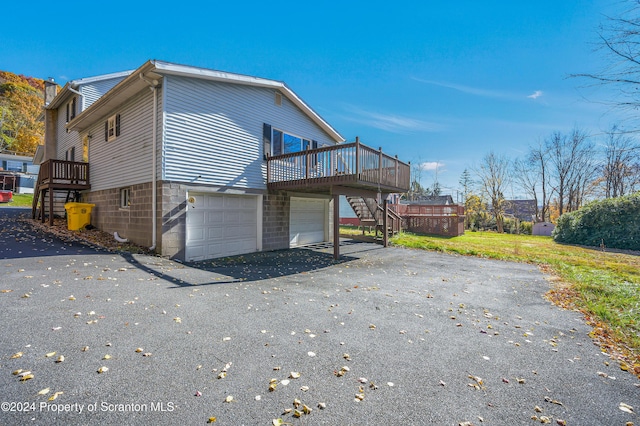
275 224
133 222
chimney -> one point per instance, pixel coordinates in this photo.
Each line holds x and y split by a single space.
50 90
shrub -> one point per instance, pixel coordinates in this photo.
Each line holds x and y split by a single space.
513 226
614 222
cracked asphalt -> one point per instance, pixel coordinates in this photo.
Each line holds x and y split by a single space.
426 338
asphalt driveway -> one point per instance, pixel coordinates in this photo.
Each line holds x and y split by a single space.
426 338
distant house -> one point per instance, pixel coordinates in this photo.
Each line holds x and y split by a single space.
431 200
17 172
524 210
198 163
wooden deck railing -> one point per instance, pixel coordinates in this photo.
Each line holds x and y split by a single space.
429 210
341 164
64 172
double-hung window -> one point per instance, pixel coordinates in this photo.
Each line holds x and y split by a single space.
72 107
285 143
112 128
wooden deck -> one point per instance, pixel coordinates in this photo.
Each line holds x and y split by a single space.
61 176
332 169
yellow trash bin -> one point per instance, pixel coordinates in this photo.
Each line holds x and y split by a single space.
78 215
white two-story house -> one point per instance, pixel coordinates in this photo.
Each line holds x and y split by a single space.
196 163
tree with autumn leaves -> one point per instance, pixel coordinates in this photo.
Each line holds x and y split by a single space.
21 101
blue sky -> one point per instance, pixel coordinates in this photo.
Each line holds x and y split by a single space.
437 83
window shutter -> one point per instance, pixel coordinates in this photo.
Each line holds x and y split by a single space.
106 131
118 125
73 108
314 144
266 139
67 113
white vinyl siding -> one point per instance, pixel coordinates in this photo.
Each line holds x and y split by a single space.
66 140
91 92
126 160
213 131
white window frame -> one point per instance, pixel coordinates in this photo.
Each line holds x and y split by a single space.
304 142
111 128
125 197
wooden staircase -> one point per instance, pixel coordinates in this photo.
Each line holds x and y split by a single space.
371 213
58 183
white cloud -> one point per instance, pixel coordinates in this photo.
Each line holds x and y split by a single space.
476 91
391 122
535 95
431 165
466 89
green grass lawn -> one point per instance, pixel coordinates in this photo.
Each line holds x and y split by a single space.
603 284
19 200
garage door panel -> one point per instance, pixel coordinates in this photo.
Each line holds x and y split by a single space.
307 221
239 233
221 225
215 233
198 234
213 202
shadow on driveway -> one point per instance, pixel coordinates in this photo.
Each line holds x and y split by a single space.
20 240
250 267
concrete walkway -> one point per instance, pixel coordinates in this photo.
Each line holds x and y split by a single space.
426 338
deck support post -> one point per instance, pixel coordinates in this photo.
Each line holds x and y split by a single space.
385 221
336 226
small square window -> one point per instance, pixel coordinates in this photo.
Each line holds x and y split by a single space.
125 198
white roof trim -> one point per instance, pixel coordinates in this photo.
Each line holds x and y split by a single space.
74 84
87 80
184 70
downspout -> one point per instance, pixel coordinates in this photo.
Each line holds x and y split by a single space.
154 185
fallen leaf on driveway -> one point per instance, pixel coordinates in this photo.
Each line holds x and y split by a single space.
55 395
16 355
44 391
626 408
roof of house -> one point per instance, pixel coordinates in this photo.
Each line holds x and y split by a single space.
73 85
523 209
432 200
151 71
13 156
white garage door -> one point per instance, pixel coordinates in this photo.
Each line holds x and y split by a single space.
307 221
221 225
